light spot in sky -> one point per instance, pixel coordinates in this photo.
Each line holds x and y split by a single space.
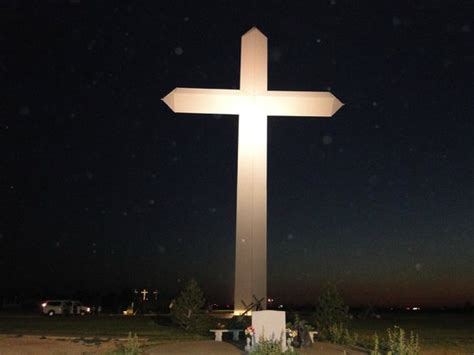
373 179
275 55
327 139
24 111
178 51
151 202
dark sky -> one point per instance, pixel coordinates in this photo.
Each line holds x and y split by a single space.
102 186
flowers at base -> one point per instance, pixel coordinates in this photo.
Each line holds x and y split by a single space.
290 333
249 332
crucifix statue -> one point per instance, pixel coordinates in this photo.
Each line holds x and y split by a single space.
253 102
144 292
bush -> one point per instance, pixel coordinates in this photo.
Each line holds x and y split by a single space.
400 345
187 310
302 327
269 347
397 343
339 334
131 347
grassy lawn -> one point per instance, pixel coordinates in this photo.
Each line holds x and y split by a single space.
103 326
442 332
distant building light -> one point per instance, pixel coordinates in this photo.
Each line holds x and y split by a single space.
416 309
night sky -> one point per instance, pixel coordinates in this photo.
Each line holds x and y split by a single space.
103 187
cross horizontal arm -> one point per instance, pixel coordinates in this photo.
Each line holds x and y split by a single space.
216 101
300 103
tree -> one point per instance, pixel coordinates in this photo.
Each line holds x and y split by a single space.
186 310
331 312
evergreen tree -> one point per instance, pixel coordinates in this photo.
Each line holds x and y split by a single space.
331 312
186 310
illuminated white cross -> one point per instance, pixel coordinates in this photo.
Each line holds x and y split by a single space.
253 102
144 293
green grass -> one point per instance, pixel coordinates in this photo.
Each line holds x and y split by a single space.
441 332
103 326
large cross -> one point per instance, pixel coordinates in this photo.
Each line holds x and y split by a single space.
253 102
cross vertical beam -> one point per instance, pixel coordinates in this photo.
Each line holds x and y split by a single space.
251 222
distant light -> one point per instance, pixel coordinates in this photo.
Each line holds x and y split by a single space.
280 306
416 309
43 304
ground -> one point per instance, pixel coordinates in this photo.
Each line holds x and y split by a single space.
440 334
35 345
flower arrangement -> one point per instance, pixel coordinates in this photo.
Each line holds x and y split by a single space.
249 332
290 333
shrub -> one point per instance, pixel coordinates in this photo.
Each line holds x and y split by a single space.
376 350
131 346
269 347
339 334
397 343
400 345
187 310
302 327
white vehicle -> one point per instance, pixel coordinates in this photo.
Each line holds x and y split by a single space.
53 307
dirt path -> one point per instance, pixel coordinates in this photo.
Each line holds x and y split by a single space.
217 348
36 345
